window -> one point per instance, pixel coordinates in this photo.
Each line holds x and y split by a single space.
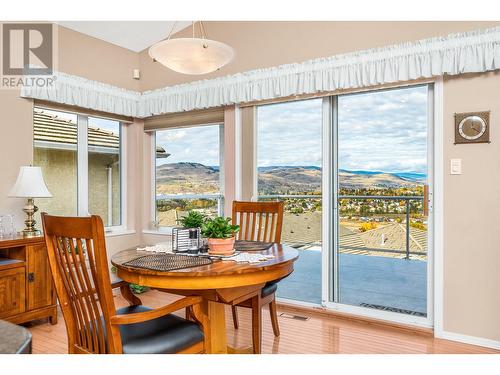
104 170
80 158
383 172
55 151
188 164
289 168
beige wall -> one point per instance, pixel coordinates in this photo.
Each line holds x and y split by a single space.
266 44
16 148
58 166
471 255
471 207
95 59
61 165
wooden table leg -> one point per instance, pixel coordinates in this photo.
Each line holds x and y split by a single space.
217 341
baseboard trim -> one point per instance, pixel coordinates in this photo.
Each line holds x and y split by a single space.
321 311
466 339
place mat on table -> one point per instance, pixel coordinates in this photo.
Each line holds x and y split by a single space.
167 262
242 245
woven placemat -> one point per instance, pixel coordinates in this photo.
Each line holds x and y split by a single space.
241 245
167 262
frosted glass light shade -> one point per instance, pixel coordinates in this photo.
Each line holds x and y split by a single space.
30 184
192 55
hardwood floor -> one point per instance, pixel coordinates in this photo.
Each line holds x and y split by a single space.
318 334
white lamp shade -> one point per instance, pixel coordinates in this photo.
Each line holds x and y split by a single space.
192 55
30 184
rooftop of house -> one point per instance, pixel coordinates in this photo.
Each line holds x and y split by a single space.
54 130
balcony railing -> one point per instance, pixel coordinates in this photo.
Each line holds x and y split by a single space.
406 212
162 199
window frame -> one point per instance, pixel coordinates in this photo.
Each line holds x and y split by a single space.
155 227
82 149
434 151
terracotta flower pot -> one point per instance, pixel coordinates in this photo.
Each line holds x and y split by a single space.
221 246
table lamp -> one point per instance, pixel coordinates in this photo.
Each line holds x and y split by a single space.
30 184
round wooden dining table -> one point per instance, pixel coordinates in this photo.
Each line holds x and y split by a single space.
219 283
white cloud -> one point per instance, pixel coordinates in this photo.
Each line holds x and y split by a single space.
382 130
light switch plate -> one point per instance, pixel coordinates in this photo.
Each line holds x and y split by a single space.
456 166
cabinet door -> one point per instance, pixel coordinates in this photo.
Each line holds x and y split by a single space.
39 278
12 292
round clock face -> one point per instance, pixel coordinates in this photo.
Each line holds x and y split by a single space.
472 127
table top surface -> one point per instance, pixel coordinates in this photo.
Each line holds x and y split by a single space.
283 256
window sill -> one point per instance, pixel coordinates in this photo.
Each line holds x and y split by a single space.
119 232
161 232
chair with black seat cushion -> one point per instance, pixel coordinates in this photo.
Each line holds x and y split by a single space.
259 221
79 265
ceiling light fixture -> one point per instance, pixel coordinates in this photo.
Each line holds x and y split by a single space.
192 55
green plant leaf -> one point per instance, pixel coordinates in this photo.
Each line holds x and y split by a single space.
193 219
219 227
138 289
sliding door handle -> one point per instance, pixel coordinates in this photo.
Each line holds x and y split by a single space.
426 200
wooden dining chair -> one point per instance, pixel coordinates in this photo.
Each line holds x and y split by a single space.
78 261
259 221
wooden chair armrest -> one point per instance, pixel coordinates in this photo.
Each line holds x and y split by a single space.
156 313
118 284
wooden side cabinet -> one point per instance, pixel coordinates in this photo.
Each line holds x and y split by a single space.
26 286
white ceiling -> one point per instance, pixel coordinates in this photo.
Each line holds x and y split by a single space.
133 35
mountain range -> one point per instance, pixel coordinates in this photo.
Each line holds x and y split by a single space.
194 177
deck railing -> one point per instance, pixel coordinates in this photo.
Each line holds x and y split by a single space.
218 198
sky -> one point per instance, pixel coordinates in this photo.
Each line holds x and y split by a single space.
198 145
384 130
289 133
378 131
105 124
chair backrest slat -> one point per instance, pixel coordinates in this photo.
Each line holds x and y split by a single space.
255 215
259 228
78 261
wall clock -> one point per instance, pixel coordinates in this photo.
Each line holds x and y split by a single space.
472 127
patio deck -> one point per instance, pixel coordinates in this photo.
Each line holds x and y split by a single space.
375 280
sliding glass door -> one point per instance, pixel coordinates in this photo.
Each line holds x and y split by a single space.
381 204
354 172
289 160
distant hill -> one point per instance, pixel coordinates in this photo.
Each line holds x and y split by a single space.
195 178
176 178
289 179
361 179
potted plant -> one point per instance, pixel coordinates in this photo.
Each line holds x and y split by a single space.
220 234
193 219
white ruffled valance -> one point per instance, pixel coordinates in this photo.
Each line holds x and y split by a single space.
73 90
471 52
477 51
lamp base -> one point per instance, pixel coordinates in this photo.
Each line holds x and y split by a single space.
31 233
30 209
